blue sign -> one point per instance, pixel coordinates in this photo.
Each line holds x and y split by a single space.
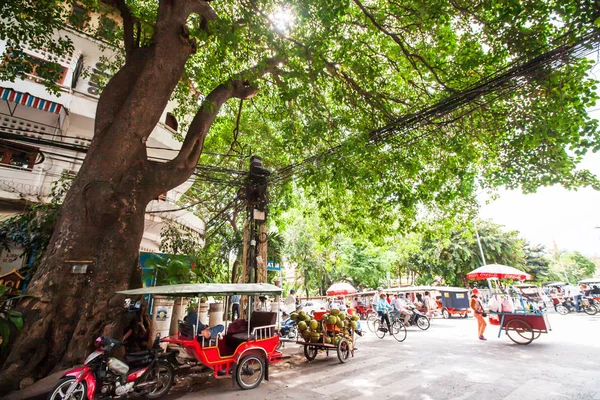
271 266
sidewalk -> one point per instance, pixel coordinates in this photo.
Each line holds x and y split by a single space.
42 388
37 391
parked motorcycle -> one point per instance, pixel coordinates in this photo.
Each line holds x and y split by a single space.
146 373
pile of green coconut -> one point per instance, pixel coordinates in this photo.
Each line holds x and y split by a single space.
315 331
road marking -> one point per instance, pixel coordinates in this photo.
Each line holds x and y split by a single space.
534 389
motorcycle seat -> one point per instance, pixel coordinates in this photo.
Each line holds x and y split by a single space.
139 357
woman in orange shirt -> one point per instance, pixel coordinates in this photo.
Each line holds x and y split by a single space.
479 313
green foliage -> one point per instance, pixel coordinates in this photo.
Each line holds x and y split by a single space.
537 263
33 229
452 257
169 269
572 266
348 68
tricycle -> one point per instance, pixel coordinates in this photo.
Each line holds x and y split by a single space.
523 327
327 333
247 348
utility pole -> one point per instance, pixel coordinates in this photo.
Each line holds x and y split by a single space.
255 234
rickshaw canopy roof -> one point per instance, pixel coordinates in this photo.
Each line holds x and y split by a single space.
214 289
407 289
590 280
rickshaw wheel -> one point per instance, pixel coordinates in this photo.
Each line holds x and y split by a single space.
465 315
519 331
250 372
310 352
343 350
446 314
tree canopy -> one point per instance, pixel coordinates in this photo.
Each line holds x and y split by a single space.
338 70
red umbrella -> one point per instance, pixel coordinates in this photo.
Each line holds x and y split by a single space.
498 271
341 289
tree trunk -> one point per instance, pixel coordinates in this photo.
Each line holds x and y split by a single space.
102 222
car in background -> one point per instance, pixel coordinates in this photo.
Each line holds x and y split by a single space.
311 306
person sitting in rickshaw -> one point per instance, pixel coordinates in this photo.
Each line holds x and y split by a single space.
205 331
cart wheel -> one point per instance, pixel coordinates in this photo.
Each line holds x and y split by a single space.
446 314
522 333
343 350
250 372
562 310
423 323
536 334
310 352
379 332
399 331
590 310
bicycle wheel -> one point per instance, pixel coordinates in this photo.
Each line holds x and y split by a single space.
378 329
371 319
398 331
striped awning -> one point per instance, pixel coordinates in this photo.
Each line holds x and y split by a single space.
28 100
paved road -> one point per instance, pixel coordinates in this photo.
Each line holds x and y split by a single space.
446 362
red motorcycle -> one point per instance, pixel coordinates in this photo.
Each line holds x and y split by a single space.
146 373
364 312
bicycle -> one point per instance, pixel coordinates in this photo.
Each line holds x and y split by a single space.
398 330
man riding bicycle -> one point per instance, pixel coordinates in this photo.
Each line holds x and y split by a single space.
382 308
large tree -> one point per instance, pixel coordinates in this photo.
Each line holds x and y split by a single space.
330 74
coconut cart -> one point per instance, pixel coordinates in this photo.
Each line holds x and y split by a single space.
327 332
522 325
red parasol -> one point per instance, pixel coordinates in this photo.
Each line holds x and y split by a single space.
498 271
341 289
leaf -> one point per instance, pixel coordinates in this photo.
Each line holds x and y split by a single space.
597 22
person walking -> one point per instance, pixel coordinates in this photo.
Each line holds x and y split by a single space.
382 308
290 302
574 292
235 306
479 313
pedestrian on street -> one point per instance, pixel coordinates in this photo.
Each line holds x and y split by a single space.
595 289
574 292
290 302
235 307
479 313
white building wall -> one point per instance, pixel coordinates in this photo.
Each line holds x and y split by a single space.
74 127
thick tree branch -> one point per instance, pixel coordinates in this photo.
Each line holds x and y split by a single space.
128 21
176 171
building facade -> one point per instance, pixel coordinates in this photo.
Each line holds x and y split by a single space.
44 136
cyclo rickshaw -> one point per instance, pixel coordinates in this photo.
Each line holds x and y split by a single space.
246 353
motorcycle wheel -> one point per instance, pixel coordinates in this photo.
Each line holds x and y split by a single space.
590 310
562 310
446 314
60 390
423 323
166 377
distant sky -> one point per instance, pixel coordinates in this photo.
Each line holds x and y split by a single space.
552 214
